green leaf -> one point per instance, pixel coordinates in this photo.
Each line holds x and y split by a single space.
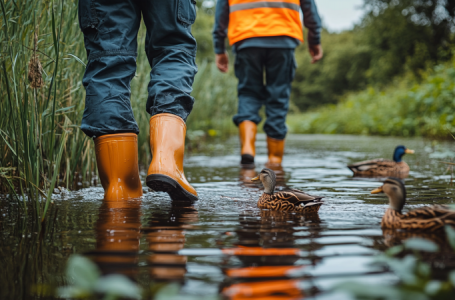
433 287
118 285
404 268
77 59
72 292
452 278
375 291
48 111
394 250
450 235
82 272
167 292
424 269
65 108
420 244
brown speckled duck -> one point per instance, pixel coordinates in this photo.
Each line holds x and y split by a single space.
288 200
383 167
429 218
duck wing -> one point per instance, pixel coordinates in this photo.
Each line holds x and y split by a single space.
371 165
297 197
430 212
429 217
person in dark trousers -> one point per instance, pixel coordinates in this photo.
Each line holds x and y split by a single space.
110 30
263 36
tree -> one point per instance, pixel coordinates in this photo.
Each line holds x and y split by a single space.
407 35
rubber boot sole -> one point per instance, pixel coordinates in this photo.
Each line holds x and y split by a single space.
163 183
247 161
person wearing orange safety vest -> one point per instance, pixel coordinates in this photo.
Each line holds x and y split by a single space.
263 35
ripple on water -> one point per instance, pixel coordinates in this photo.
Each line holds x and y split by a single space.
224 243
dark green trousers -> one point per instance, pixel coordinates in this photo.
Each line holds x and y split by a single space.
110 30
272 90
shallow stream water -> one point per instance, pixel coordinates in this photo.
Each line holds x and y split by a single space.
224 244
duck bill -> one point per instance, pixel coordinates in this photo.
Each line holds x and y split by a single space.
377 191
409 151
255 179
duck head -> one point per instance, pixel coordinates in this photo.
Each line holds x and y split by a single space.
400 151
395 190
268 179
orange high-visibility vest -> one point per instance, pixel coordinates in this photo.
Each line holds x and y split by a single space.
255 18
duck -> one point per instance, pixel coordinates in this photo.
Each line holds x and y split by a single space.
429 218
286 200
383 167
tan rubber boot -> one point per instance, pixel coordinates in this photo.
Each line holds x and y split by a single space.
118 166
276 150
247 133
165 174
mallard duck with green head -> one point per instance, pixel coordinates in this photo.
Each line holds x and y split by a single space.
429 218
286 200
383 167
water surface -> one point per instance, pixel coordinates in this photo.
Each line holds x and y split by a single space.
224 244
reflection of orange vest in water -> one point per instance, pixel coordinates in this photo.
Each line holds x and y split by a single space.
253 18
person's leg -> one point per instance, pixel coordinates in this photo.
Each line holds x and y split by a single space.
110 36
171 50
280 70
249 69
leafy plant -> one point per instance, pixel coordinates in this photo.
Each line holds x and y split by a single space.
415 280
85 282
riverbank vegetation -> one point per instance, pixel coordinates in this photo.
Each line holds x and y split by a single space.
394 39
41 145
412 262
406 107
392 74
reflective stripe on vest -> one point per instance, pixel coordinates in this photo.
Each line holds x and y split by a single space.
259 4
252 18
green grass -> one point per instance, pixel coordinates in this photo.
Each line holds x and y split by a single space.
404 108
38 127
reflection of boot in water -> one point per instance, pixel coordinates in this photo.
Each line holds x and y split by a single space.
273 289
117 237
246 174
166 237
268 255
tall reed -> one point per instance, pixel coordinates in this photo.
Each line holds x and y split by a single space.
40 92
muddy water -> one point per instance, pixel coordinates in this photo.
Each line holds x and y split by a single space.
224 244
